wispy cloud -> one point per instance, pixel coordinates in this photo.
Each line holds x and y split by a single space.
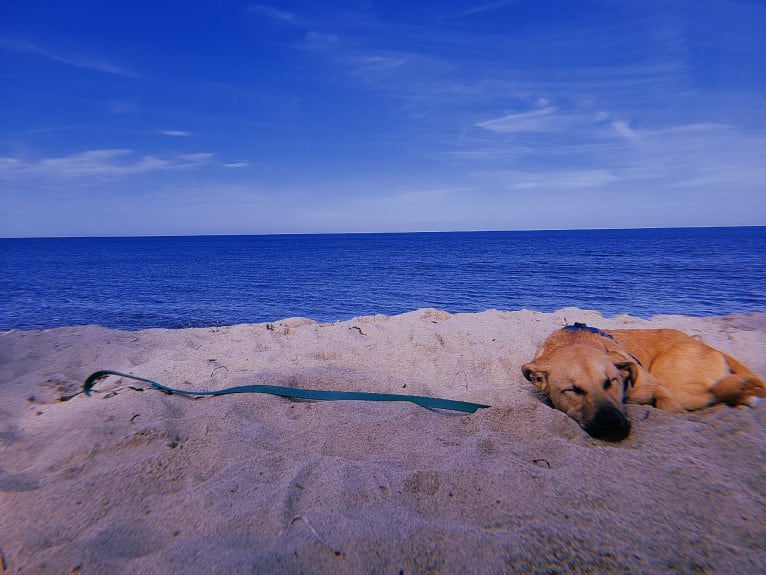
563 130
450 69
273 13
100 162
81 61
487 7
542 120
379 62
234 165
682 161
624 130
708 128
702 156
105 163
176 133
426 196
549 179
195 159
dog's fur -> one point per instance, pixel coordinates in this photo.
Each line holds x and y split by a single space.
588 374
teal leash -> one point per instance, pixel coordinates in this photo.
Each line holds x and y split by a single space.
298 393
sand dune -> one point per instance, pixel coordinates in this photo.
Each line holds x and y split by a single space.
130 481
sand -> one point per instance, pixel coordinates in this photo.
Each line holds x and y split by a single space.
129 481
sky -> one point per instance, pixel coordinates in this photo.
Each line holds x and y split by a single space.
234 117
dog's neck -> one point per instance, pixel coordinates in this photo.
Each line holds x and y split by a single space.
577 326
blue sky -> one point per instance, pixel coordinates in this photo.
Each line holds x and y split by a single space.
170 117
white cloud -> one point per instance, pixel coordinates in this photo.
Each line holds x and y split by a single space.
235 165
575 179
549 180
105 163
542 120
694 128
624 130
176 133
196 158
98 162
379 63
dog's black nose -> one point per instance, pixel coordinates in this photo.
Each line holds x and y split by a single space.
609 424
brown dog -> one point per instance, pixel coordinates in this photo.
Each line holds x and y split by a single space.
588 373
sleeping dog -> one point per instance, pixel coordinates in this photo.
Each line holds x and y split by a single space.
588 373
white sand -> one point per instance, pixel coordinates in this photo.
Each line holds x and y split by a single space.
140 482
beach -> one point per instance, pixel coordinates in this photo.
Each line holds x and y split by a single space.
132 481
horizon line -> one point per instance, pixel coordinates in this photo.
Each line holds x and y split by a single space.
408 232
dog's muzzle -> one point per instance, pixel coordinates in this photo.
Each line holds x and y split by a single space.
608 423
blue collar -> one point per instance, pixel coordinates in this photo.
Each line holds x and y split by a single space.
582 327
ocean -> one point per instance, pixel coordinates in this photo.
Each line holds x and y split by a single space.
177 282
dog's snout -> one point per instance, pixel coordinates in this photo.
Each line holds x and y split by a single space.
608 423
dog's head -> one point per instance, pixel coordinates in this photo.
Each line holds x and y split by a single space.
588 385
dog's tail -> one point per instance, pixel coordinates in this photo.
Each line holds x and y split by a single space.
741 386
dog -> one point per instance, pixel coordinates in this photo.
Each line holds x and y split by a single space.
588 373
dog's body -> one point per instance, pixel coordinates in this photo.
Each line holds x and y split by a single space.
588 373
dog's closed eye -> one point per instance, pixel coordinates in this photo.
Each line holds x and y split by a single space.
577 390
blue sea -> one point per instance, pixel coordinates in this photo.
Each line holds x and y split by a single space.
176 282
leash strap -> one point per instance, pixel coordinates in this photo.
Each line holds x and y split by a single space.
293 392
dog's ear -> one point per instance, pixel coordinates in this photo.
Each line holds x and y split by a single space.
536 375
627 367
